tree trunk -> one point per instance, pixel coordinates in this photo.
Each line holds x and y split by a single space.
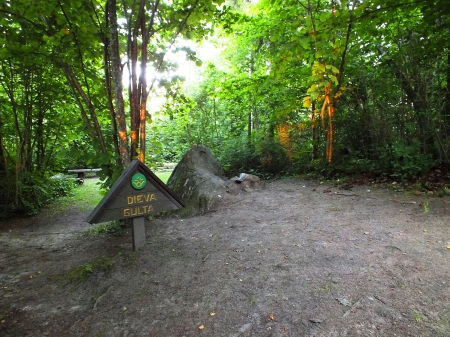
314 131
3 162
109 94
27 122
117 80
91 109
133 93
143 103
416 95
40 147
447 88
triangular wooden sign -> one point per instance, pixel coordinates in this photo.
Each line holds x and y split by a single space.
137 193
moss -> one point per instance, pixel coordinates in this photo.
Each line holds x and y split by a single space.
80 273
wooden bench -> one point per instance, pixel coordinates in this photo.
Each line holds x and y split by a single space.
80 173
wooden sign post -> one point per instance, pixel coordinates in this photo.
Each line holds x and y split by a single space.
137 193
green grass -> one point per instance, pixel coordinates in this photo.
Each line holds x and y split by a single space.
108 228
88 195
85 196
418 317
82 272
163 175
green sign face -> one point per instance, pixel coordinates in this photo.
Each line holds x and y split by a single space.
138 181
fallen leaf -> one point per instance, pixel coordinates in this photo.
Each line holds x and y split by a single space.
448 247
212 314
271 317
315 320
201 327
286 330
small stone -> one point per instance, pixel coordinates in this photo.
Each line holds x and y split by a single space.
344 302
245 327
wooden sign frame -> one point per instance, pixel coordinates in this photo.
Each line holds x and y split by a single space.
137 193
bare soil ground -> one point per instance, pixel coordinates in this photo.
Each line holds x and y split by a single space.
298 258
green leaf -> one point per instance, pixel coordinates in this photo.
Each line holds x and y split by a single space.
324 16
334 70
334 79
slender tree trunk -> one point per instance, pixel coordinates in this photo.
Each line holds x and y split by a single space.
447 88
3 161
314 131
147 31
134 94
109 94
94 128
216 129
88 103
143 103
416 95
57 133
27 149
251 70
117 80
84 115
20 167
40 147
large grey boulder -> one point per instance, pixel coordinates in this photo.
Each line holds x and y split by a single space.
198 180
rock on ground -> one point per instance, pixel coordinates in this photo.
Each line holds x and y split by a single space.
198 180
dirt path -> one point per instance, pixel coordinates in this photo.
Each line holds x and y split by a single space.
296 259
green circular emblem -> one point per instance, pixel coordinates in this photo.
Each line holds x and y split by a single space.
138 181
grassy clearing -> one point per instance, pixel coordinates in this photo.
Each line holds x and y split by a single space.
88 195
163 175
85 196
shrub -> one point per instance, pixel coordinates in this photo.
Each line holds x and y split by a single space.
33 193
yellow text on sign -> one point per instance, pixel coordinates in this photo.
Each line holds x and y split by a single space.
140 198
137 211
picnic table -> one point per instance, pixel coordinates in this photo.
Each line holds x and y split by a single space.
81 172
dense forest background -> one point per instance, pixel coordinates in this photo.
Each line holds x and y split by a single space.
330 87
